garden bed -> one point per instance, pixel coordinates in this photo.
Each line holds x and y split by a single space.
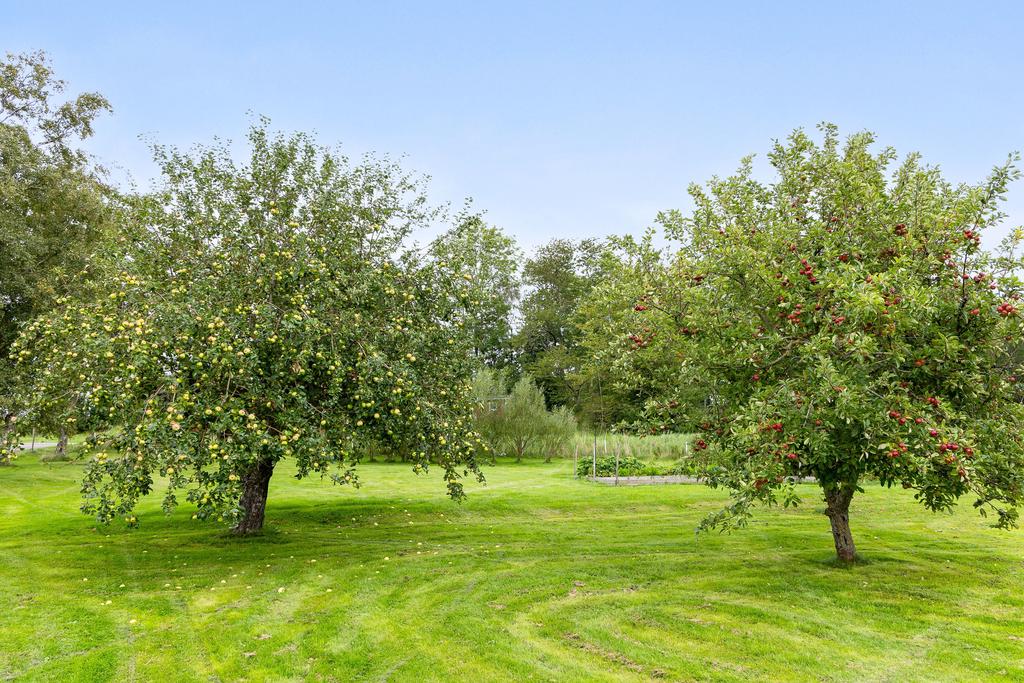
664 479
646 480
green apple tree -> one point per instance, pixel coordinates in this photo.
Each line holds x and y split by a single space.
53 203
256 312
841 322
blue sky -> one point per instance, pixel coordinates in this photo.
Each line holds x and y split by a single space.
558 118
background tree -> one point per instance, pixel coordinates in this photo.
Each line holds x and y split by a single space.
557 277
843 322
489 398
259 312
524 417
611 305
560 428
53 205
490 260
517 420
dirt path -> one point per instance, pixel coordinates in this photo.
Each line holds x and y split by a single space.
39 444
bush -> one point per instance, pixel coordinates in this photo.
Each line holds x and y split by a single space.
681 467
647 448
630 466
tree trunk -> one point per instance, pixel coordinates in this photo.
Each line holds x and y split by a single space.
838 510
62 445
5 429
255 483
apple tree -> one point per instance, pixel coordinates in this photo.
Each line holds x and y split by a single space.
251 313
53 203
842 322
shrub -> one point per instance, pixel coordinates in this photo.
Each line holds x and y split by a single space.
630 466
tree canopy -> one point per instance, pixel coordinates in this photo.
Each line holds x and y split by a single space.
518 419
841 322
53 205
557 278
258 311
490 259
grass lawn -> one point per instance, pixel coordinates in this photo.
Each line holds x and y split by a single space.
536 577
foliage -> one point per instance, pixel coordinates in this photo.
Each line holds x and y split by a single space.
560 427
523 417
631 466
52 202
607 308
518 420
662 446
259 312
841 322
489 260
557 277
628 466
488 415
684 466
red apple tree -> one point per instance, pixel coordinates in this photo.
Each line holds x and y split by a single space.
842 322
